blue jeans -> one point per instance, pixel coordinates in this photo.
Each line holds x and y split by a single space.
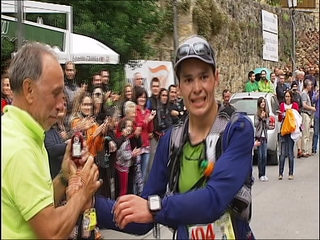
144 165
262 157
287 145
315 134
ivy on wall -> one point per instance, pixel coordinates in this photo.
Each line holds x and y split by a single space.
208 18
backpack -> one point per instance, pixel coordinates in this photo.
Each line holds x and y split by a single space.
289 123
241 204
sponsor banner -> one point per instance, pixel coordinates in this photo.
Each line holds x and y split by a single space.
149 69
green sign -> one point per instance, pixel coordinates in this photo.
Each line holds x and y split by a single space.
9 29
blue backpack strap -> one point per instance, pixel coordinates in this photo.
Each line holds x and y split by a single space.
241 203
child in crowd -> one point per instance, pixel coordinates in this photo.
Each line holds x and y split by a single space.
124 156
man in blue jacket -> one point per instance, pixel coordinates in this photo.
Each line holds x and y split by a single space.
188 190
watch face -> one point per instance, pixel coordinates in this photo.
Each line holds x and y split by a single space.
154 203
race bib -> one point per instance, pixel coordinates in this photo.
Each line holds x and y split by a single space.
220 229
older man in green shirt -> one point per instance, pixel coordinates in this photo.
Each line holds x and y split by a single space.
28 195
251 85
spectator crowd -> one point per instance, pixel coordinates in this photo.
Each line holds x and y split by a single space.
122 131
299 92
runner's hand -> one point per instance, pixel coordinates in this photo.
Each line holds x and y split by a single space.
131 208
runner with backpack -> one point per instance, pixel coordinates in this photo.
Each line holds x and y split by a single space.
201 178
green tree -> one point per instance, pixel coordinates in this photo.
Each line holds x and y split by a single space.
125 26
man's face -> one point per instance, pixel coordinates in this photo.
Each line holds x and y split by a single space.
226 97
105 77
197 85
300 76
46 98
281 79
309 86
263 75
138 80
273 77
155 88
96 80
173 94
70 71
252 78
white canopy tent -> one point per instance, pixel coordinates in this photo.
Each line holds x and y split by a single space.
86 50
78 48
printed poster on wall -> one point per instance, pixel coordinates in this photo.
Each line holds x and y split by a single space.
149 69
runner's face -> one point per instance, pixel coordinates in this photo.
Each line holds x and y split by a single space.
197 85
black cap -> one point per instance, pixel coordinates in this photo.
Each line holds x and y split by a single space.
191 41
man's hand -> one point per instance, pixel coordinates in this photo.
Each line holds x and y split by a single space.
73 187
89 177
68 166
131 208
74 184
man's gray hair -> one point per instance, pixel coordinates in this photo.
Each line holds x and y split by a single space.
28 63
135 75
129 107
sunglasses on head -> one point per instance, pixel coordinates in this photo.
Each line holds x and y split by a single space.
199 49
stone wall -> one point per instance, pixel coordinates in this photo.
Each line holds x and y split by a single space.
239 43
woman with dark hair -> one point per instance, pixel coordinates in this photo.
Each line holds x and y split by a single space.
286 142
144 121
127 95
98 110
6 93
261 123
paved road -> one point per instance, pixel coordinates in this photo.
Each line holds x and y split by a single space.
281 209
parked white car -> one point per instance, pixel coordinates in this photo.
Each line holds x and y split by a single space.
247 102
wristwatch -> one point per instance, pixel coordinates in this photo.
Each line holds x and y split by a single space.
154 204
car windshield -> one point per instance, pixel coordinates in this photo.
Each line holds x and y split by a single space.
248 105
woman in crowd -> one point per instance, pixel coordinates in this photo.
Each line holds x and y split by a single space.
144 121
82 120
261 123
6 93
127 95
286 142
163 114
106 160
56 142
98 110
